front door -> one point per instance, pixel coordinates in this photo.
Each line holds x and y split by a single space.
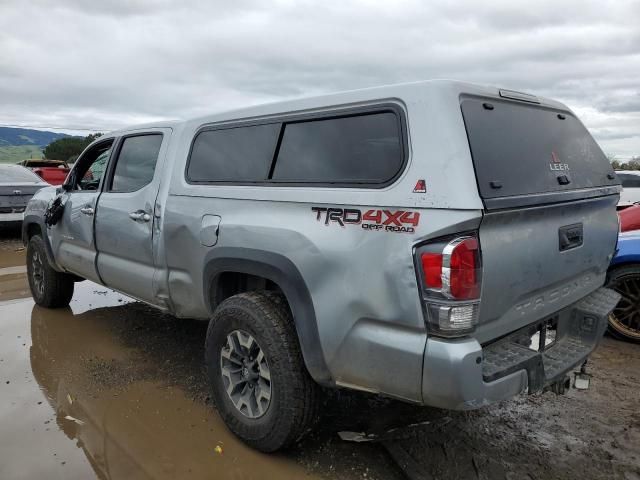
127 216
72 237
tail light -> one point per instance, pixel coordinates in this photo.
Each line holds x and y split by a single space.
38 172
450 276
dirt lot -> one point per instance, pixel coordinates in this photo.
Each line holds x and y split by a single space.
113 389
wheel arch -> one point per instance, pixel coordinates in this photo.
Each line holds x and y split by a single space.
615 267
285 275
29 229
34 225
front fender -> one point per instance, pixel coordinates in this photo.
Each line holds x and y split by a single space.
34 221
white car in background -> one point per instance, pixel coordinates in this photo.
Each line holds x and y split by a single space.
630 194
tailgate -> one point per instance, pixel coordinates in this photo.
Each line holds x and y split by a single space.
535 263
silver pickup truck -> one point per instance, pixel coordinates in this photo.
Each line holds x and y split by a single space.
437 242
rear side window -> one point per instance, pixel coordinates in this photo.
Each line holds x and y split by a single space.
629 181
366 148
136 163
521 149
356 149
241 154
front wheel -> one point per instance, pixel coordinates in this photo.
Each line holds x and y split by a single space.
624 321
49 288
260 385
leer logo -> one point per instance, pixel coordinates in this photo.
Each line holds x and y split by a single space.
421 187
556 164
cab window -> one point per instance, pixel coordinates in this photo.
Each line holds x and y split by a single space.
90 168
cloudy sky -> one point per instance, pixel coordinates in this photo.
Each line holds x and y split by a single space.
103 64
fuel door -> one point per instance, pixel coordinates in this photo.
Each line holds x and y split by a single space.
210 230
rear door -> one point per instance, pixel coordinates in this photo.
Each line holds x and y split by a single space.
127 216
550 224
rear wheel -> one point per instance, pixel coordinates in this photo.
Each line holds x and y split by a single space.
260 385
624 321
49 288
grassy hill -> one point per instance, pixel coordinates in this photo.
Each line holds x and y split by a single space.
14 154
18 144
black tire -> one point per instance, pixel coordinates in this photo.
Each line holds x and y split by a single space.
293 393
624 321
49 288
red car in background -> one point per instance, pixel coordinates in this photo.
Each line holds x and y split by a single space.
629 218
52 171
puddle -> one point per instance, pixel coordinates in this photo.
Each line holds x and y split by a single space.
12 255
13 278
79 399
14 285
110 388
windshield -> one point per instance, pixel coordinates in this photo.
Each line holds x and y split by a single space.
521 149
14 174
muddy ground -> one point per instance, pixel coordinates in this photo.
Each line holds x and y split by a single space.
110 388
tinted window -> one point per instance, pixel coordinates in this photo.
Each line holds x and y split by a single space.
136 163
9 173
357 149
524 149
629 181
240 154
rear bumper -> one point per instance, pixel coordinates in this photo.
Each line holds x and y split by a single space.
463 375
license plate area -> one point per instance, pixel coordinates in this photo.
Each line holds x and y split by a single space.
12 209
541 336
14 200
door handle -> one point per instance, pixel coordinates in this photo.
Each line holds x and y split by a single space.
570 236
87 210
140 216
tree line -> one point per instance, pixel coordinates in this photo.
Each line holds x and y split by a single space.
68 148
633 164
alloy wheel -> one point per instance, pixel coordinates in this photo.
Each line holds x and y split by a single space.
245 374
625 318
37 272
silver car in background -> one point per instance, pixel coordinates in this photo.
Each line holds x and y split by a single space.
17 185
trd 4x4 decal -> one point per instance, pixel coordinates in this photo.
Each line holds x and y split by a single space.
386 220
